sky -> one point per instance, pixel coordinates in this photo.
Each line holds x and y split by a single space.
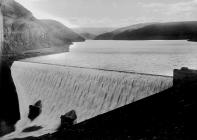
112 13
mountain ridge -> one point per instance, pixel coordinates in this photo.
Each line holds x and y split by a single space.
92 32
186 30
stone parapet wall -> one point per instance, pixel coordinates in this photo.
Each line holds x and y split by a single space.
184 76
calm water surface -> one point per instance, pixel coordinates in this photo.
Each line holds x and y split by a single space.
153 57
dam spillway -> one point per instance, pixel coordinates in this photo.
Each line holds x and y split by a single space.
90 92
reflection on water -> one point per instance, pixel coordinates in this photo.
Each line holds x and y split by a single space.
154 57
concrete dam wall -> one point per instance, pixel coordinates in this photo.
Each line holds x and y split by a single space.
89 92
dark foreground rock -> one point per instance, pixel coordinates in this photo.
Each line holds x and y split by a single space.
9 106
68 120
35 110
5 127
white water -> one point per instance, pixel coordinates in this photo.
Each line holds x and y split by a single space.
88 91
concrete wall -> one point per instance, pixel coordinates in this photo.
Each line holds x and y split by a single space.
184 76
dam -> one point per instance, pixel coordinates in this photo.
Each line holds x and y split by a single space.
62 88
93 79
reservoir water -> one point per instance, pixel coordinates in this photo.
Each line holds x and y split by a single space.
153 57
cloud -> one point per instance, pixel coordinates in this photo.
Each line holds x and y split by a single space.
42 14
101 13
183 7
36 0
184 10
172 8
190 3
27 1
94 22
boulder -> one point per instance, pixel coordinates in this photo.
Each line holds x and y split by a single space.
35 110
68 120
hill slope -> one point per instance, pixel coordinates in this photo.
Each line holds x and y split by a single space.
22 31
154 31
91 33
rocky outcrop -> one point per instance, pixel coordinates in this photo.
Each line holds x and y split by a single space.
154 31
22 31
9 106
5 128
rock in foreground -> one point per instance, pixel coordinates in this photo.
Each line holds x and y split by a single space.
35 110
68 120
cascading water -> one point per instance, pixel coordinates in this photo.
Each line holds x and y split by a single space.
89 92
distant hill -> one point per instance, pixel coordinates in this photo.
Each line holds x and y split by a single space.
154 31
88 36
22 31
91 33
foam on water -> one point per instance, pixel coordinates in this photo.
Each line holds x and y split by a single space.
89 92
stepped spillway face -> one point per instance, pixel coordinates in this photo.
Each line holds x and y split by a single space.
89 92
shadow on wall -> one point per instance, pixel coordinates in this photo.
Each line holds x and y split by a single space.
9 106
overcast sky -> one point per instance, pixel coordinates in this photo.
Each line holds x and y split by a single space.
112 13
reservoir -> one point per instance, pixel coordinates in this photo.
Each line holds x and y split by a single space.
152 57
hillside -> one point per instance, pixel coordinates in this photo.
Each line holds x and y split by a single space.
91 33
154 31
88 36
22 31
